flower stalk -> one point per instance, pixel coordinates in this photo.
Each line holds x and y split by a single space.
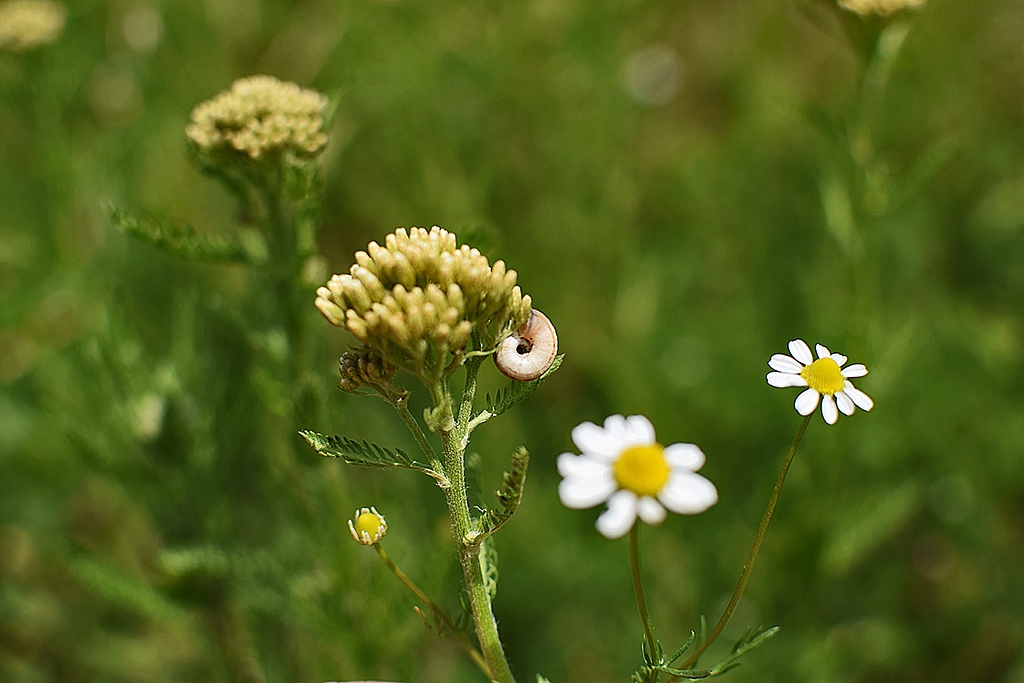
758 538
459 636
638 588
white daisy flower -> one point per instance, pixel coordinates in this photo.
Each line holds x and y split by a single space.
825 378
623 465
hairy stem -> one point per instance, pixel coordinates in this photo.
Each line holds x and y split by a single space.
745 576
454 442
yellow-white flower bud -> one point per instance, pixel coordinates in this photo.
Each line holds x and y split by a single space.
258 116
428 297
368 526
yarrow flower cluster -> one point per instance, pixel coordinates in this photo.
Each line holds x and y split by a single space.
882 7
420 296
258 116
622 464
825 378
25 24
368 526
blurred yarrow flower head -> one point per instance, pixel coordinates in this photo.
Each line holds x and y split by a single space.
882 7
25 24
622 464
368 526
259 116
420 296
825 378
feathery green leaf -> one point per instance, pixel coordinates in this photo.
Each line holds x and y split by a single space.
512 394
363 453
509 496
186 243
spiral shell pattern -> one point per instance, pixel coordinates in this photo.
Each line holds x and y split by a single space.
529 351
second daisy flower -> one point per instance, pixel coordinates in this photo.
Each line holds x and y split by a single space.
622 464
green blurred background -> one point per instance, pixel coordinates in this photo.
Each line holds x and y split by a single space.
682 186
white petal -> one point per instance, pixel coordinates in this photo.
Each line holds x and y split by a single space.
617 430
580 493
685 455
800 351
840 359
650 510
806 402
844 403
784 363
593 440
855 370
784 379
620 515
688 493
580 466
639 431
822 350
862 400
828 409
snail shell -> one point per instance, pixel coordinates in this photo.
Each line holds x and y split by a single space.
529 351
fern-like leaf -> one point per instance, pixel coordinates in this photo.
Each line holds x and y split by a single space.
512 394
489 566
513 484
748 642
364 454
186 243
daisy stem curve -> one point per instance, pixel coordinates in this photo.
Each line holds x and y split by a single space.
638 588
749 565
460 637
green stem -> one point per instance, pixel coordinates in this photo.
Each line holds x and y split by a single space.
738 593
638 588
401 406
473 653
454 442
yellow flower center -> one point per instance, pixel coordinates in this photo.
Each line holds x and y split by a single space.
824 376
369 523
642 469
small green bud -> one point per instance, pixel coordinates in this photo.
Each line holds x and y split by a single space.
364 367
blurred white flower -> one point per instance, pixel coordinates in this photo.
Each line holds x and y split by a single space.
25 24
653 75
825 378
623 465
